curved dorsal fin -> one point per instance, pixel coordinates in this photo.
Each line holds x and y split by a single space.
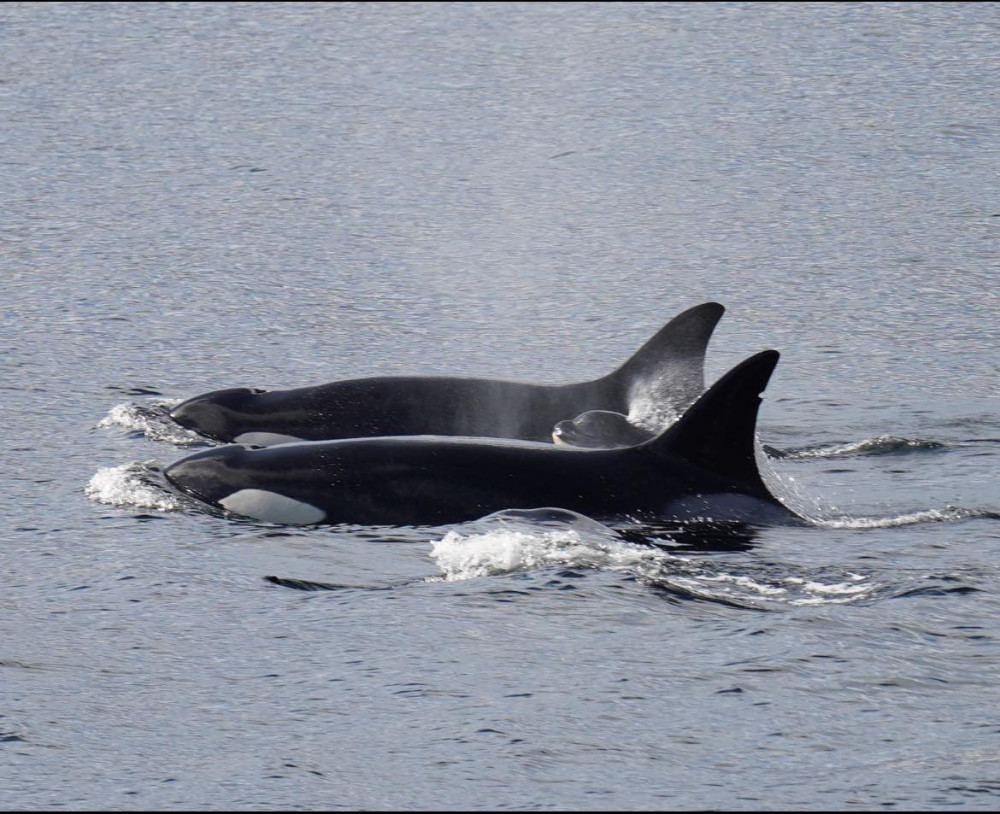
669 370
718 432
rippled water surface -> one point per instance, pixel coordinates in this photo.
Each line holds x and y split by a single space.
197 196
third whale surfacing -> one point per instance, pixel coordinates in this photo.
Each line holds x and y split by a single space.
664 376
702 468
599 429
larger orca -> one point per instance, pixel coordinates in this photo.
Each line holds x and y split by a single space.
702 467
657 384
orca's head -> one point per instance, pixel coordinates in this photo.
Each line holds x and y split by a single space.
230 478
566 434
220 415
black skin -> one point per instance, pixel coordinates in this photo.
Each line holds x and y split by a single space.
435 481
704 461
668 369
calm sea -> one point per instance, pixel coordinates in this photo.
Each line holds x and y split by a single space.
202 195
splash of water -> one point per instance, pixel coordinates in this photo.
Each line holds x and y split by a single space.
651 413
506 551
462 556
131 486
152 419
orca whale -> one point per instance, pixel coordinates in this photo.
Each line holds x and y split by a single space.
661 379
701 468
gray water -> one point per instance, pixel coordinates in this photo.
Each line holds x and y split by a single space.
195 196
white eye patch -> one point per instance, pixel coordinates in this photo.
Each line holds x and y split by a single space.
272 507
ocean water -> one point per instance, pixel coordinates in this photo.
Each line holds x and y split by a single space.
198 196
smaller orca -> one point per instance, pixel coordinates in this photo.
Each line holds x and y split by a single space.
605 429
702 467
667 372
599 429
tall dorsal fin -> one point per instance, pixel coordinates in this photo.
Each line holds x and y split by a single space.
670 368
717 432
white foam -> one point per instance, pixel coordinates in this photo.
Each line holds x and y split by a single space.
786 590
272 507
831 594
152 419
506 551
129 486
743 581
926 516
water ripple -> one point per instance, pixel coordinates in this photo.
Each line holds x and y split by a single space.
879 445
945 515
464 556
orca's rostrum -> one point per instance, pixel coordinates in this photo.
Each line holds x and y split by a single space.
703 467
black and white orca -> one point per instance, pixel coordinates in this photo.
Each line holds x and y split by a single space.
703 467
660 381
